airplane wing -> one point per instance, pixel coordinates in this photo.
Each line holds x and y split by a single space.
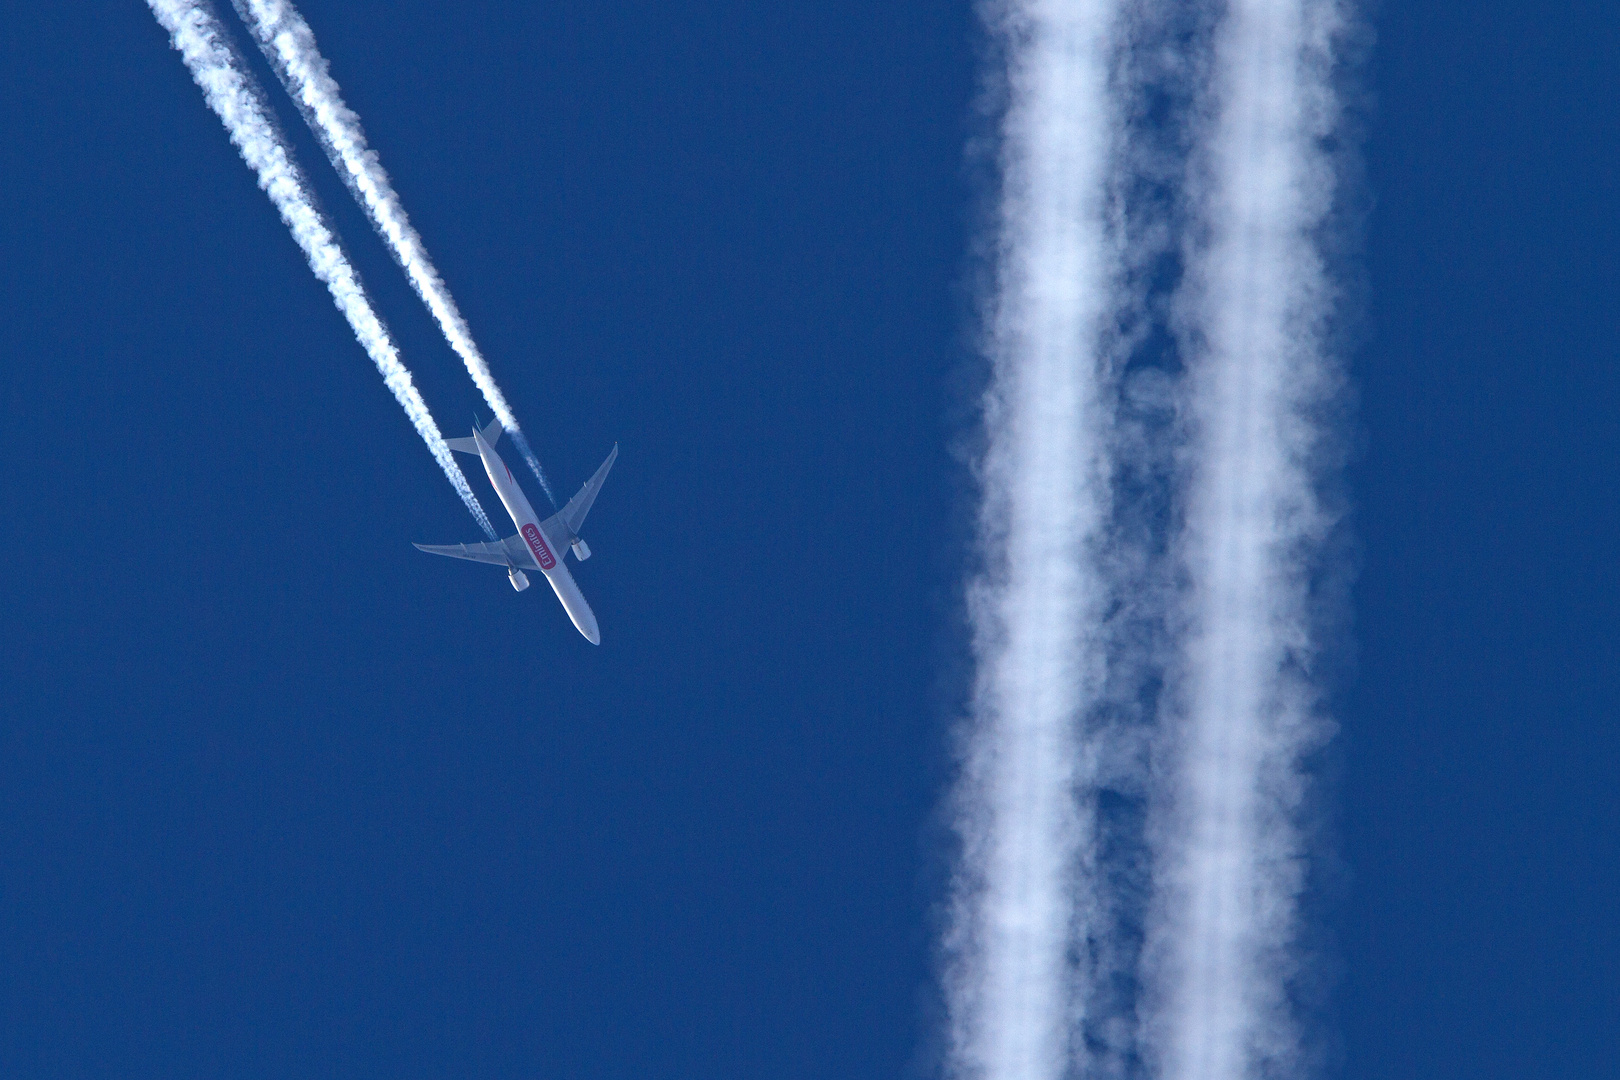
509 552
564 525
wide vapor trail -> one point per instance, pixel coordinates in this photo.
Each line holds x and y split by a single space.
1241 708
289 44
232 93
1025 884
1127 899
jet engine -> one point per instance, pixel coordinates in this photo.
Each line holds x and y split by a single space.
581 551
520 580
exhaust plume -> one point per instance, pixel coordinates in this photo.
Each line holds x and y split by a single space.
235 97
1026 893
289 44
1241 708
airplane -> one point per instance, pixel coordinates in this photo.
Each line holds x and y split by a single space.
537 542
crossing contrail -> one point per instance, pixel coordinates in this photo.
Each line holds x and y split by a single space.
289 44
1025 895
1241 707
233 94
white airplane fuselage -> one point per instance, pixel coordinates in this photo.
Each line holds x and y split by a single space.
528 526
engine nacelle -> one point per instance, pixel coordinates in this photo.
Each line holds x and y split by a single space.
519 579
581 551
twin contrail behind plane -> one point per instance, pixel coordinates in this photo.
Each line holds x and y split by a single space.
235 97
538 545
289 44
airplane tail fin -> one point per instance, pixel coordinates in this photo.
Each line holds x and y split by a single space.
470 446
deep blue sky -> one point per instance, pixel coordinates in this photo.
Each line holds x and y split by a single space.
280 796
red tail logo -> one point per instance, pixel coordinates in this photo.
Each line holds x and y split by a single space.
537 544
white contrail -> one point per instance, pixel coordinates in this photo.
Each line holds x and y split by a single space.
1025 891
233 95
1241 708
289 45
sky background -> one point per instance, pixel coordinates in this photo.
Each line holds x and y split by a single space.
282 797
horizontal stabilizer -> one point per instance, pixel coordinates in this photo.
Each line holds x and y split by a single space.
491 434
511 552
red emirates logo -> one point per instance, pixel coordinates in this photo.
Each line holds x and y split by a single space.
537 544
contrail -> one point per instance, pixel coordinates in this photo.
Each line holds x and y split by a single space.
233 94
289 44
1241 707
1025 894
1149 545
